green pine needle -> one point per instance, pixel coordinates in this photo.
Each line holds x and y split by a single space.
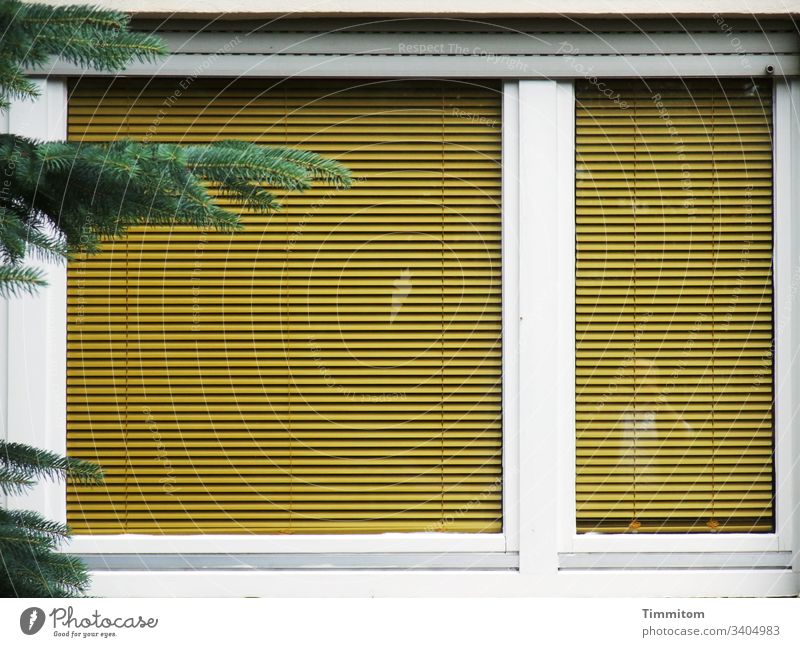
16 280
43 464
13 482
34 525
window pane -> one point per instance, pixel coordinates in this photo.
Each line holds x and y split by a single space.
674 316
334 368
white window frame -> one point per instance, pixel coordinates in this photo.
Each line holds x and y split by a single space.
44 317
538 312
35 327
785 275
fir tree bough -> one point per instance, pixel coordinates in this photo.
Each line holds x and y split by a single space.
65 199
60 199
30 564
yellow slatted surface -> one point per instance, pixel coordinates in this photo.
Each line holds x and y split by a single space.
674 313
334 368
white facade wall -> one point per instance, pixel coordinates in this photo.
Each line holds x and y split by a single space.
260 8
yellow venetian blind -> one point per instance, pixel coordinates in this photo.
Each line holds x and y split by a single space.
335 368
674 314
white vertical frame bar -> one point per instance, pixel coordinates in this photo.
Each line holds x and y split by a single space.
4 343
511 292
794 511
36 327
785 273
794 172
545 275
566 308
